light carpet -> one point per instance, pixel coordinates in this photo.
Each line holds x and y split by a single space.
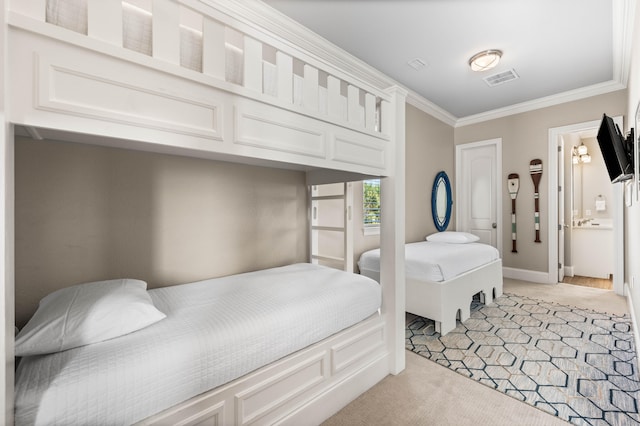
574 363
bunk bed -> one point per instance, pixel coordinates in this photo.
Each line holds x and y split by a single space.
233 81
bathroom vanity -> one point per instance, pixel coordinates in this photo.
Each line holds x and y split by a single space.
592 248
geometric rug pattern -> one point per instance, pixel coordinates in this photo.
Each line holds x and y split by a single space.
574 363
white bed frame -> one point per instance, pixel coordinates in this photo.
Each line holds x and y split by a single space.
446 301
62 85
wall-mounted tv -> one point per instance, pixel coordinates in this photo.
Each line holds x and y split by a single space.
616 150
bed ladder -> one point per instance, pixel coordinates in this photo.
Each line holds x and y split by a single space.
331 230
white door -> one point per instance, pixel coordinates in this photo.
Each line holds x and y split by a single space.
479 190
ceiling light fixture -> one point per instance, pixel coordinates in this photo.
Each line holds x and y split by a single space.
485 60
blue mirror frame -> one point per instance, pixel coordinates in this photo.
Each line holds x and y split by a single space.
441 208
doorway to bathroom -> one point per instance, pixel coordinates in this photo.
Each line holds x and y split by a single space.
589 236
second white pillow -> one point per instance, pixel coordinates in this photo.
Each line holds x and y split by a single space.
453 237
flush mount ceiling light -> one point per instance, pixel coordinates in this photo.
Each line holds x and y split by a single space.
485 60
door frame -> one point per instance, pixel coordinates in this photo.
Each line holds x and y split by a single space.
497 143
555 134
561 206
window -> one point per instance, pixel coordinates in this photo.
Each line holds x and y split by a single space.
371 206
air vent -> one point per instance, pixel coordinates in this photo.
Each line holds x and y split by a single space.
417 63
502 77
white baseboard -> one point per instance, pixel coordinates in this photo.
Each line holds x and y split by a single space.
634 322
526 275
568 271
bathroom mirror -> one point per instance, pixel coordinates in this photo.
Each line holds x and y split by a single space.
441 201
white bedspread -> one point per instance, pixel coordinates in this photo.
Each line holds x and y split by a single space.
432 261
215 331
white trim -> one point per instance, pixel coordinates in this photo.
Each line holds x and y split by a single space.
547 101
634 322
371 230
525 275
392 233
497 142
623 23
430 108
552 223
568 271
618 236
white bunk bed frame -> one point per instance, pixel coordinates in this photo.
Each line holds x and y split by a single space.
59 84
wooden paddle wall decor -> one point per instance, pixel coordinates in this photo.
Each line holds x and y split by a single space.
513 183
535 170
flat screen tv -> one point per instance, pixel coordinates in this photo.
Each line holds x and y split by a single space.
616 150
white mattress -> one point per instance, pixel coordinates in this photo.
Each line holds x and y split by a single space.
433 261
215 331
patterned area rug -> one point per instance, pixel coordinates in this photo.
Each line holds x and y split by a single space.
574 363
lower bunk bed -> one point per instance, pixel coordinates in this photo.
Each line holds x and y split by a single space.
265 347
443 276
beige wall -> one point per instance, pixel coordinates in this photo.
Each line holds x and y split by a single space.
88 213
525 136
429 149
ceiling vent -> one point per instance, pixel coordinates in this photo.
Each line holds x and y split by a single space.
502 77
417 63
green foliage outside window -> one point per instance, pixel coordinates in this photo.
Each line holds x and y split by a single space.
371 202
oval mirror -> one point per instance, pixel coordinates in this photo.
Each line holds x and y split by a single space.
441 201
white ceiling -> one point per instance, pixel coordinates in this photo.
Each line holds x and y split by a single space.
571 48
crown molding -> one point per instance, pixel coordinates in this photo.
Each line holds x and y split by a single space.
430 108
623 22
560 98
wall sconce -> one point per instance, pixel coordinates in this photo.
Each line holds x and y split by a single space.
580 154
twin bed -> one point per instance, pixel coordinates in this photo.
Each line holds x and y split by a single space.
212 333
443 275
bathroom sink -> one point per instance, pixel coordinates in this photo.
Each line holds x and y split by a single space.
594 224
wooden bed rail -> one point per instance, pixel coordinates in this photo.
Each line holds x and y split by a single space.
298 81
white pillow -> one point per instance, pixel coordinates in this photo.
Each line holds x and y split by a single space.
453 237
87 313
